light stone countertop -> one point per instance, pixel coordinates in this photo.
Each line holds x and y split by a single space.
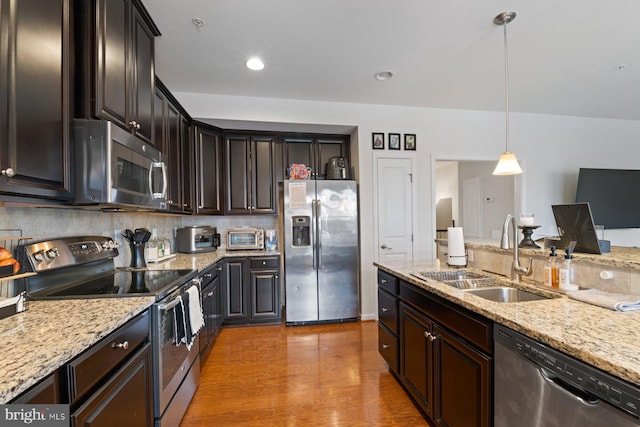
36 342
603 338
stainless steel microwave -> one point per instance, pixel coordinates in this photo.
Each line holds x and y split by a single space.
245 238
115 169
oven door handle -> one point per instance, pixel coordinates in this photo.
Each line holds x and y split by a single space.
171 304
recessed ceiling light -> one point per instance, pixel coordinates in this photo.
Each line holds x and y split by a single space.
621 67
255 64
197 22
384 75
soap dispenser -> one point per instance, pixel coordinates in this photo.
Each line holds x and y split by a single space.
567 272
552 270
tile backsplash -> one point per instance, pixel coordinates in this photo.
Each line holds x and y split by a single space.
47 223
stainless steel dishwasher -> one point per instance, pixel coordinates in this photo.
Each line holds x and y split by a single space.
537 386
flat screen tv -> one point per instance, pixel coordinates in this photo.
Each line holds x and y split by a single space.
612 195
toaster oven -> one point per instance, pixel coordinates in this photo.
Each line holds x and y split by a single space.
245 238
196 239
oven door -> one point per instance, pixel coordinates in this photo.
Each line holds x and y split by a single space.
171 363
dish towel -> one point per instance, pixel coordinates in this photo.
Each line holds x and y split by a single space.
195 309
179 330
610 300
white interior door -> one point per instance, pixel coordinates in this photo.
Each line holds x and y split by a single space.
395 210
472 207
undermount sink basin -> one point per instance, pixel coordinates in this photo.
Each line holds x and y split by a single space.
505 294
461 279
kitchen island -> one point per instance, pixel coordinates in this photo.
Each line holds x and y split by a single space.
600 337
50 333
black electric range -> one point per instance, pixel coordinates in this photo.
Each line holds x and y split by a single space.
82 267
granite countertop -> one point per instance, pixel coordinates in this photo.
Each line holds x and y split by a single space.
36 342
600 337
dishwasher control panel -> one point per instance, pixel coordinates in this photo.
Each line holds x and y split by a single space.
605 386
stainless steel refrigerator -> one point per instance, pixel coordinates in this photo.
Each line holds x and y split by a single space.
320 251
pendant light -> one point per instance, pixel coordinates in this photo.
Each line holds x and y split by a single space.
507 164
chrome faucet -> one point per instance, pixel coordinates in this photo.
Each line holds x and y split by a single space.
516 269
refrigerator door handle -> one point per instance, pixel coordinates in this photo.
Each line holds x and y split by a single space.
314 234
318 234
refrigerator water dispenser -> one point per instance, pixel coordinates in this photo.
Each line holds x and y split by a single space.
301 230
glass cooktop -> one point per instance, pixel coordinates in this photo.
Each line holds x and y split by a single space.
122 283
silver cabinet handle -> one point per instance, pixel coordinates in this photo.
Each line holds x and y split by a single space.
429 335
210 294
384 281
386 346
208 275
384 310
123 345
384 246
8 172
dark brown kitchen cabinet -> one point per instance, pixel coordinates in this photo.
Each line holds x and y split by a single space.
124 400
314 151
211 309
45 392
169 122
35 98
445 353
250 162
388 319
208 170
115 70
251 290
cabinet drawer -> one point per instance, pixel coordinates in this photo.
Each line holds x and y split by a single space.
469 326
90 368
388 347
388 310
388 282
265 262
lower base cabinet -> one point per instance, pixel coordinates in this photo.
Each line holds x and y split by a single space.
445 357
251 290
124 400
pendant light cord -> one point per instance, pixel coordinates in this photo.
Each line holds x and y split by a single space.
506 85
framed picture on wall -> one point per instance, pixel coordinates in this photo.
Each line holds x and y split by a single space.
409 141
377 139
394 141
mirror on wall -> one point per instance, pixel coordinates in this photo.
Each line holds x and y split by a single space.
467 194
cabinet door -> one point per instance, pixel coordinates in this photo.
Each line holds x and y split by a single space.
207 312
265 295
236 297
112 65
125 400
208 171
171 150
416 357
187 164
299 150
45 392
263 183
327 148
142 70
35 98
159 119
238 174
463 382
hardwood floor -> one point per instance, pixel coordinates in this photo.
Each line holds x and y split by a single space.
320 375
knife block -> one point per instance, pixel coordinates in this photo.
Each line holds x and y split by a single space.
137 255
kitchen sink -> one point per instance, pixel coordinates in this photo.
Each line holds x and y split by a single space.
461 279
505 294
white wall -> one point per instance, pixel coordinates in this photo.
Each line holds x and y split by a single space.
551 150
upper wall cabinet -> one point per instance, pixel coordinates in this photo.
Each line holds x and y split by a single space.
35 98
208 170
171 138
314 151
115 64
250 164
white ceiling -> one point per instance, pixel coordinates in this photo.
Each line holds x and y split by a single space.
563 55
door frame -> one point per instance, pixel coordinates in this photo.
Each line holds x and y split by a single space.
518 185
414 202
